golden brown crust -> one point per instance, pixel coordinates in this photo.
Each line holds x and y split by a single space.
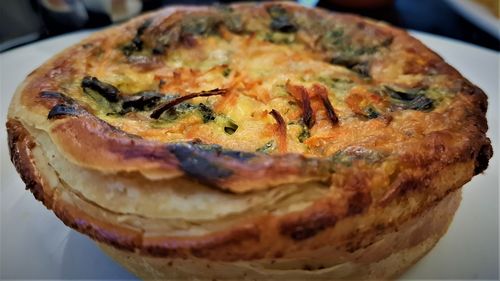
385 259
252 240
20 145
364 178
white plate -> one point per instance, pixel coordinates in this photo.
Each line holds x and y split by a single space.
36 245
478 15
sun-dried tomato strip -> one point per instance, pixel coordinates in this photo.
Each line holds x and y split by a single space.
321 92
280 122
164 107
300 93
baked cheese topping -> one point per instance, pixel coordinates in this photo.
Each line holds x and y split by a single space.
270 84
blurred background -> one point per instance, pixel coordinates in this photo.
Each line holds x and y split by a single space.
26 21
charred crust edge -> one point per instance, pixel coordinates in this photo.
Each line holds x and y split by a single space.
309 226
20 145
301 228
482 159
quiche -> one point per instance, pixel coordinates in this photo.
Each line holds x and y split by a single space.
251 142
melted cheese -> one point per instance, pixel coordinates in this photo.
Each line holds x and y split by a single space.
255 73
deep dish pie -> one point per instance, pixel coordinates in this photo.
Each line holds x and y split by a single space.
251 142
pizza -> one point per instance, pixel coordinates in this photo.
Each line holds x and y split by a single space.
251 142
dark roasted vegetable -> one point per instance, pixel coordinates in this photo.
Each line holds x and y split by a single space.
413 98
229 17
226 72
230 127
333 38
197 162
404 95
421 103
371 113
304 134
207 113
177 111
192 26
220 151
108 91
281 19
57 96
233 22
142 101
201 160
355 57
346 61
136 44
355 153
61 110
353 63
51 95
66 106
168 38
362 68
203 25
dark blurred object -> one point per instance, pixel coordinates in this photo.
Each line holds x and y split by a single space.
117 10
431 16
24 21
361 4
483 13
19 23
60 16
